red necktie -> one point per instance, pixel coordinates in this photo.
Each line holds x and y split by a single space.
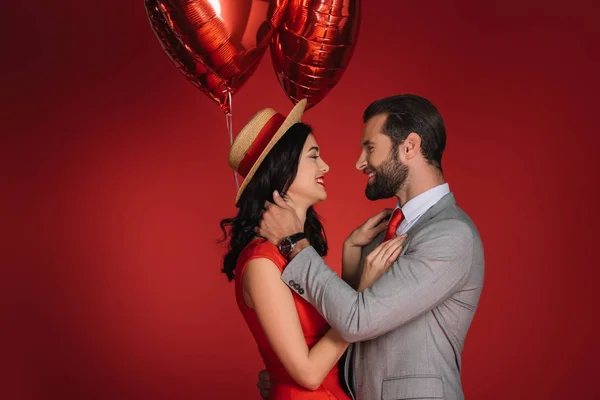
395 220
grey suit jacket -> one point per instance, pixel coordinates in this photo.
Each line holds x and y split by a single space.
410 326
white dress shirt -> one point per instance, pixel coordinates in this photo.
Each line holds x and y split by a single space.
418 205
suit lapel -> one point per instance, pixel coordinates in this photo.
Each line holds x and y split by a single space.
446 201
442 204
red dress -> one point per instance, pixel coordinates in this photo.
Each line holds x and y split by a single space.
313 327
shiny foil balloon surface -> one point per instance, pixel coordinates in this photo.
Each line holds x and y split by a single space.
313 46
216 44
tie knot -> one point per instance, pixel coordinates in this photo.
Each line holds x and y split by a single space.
395 220
396 217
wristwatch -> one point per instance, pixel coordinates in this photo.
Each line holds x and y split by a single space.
288 243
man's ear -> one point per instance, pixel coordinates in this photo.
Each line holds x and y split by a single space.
411 146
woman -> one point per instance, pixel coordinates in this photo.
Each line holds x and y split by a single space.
300 352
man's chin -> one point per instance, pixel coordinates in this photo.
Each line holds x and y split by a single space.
373 196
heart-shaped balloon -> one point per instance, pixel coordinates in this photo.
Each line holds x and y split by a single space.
313 46
216 44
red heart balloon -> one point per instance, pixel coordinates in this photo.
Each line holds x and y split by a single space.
216 44
313 46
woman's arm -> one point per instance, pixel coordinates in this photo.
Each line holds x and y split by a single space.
355 243
274 304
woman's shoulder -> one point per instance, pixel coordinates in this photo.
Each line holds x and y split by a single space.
262 248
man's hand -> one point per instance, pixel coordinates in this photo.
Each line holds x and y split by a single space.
364 234
264 384
379 260
278 220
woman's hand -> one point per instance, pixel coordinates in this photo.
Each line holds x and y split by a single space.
379 260
364 234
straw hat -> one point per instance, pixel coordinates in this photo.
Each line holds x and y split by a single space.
257 138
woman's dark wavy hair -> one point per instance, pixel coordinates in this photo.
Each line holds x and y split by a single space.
276 172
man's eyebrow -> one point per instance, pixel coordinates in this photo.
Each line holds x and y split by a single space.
314 148
367 142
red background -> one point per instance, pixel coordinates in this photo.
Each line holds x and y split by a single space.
115 177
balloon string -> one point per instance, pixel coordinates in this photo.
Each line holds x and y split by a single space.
229 121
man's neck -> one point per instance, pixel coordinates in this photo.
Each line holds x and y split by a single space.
418 184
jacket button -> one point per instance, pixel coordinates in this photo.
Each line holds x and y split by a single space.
292 283
301 291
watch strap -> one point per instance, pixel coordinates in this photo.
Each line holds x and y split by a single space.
296 237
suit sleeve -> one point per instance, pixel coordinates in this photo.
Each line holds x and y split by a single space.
436 265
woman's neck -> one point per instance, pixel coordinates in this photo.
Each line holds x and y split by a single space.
300 212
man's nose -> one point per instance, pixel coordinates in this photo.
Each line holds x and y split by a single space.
361 163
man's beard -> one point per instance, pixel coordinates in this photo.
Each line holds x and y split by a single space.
389 178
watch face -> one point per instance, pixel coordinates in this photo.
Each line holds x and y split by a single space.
285 246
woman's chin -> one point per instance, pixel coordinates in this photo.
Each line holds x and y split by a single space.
321 197
316 197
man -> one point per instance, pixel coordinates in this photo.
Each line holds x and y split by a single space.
409 328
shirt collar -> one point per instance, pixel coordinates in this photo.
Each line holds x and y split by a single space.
417 206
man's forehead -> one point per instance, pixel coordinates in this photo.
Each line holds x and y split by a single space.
373 128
